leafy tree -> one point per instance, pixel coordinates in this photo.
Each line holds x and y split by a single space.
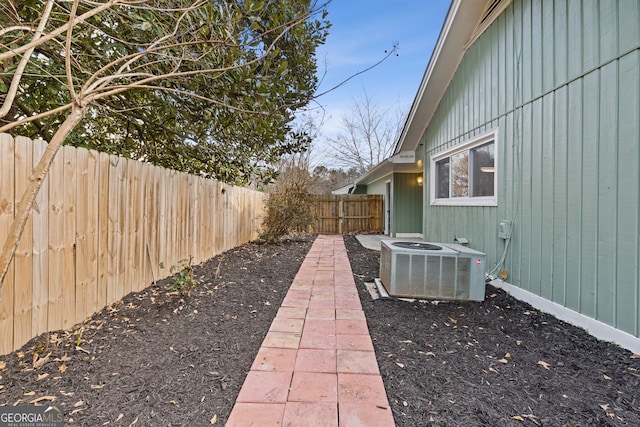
203 87
198 85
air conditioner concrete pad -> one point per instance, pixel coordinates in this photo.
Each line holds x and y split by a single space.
377 291
373 290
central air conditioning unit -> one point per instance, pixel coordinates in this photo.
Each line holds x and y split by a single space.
432 271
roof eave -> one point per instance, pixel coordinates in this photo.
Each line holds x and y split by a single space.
459 26
388 167
381 169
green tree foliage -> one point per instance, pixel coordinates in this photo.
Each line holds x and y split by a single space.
325 180
205 86
233 74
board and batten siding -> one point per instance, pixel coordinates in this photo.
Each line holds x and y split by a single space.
559 80
379 186
406 201
407 204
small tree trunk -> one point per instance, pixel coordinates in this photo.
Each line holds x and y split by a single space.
36 179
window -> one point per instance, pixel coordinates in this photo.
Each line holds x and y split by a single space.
466 175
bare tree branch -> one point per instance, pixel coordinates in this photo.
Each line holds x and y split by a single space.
368 135
7 30
39 116
17 76
60 30
67 51
388 54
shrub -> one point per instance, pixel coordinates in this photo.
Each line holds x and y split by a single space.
288 210
184 279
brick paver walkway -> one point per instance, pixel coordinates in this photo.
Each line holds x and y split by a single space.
316 366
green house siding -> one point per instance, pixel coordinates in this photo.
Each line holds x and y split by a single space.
378 187
407 204
406 201
559 80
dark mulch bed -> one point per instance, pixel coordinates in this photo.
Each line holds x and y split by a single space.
159 358
495 363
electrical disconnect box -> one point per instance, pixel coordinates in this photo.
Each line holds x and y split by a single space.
504 229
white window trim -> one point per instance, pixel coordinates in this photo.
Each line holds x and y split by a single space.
466 201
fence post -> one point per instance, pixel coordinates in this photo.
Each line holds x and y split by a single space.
340 215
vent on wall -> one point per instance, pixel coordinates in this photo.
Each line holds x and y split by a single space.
492 11
432 271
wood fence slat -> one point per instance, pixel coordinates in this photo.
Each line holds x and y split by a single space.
235 217
155 203
131 211
6 218
193 218
82 273
87 232
179 202
141 218
56 233
176 215
136 214
40 218
147 194
173 249
217 223
188 216
205 210
224 209
123 285
23 260
173 244
69 249
103 230
162 221
127 211
114 236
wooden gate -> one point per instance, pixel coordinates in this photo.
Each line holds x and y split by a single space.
347 213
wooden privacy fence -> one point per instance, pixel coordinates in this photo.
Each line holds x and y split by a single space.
347 213
101 227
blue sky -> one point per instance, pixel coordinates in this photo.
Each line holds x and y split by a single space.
361 32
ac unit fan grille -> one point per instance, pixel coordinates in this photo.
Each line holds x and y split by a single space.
418 245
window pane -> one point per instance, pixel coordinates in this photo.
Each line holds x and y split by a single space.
483 170
460 175
442 179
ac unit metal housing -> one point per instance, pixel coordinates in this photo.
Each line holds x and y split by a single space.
443 271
